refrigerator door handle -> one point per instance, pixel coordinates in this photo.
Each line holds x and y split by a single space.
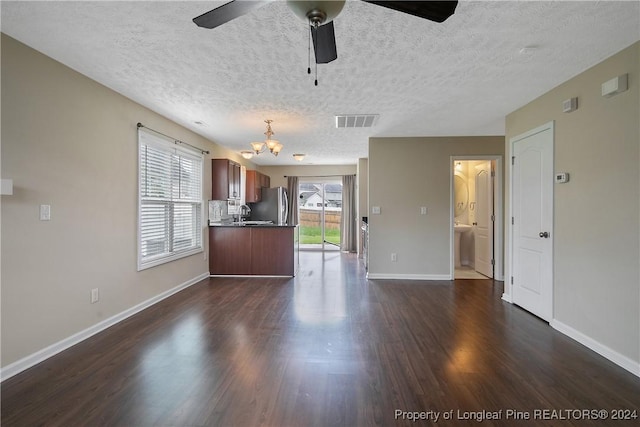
285 220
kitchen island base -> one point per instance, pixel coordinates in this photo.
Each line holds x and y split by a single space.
253 250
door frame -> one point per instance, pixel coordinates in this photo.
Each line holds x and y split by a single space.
498 203
508 286
477 245
323 181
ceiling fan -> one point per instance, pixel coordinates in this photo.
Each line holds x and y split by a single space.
320 16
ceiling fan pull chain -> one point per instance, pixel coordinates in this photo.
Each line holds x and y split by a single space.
315 24
309 51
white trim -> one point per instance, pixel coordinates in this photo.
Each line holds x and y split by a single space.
165 259
604 351
257 276
393 276
47 352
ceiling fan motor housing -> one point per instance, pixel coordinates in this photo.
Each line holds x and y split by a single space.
315 11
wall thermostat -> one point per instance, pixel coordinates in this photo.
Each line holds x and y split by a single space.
569 105
562 177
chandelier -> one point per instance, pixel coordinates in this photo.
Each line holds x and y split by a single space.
273 145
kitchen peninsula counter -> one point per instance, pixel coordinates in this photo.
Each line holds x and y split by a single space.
253 250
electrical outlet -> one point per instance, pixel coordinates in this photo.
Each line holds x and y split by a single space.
394 257
95 295
423 210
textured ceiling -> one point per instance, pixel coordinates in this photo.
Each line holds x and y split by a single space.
461 77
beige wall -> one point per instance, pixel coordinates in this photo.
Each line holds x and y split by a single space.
71 143
597 213
405 174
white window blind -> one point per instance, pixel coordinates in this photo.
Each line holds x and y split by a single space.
169 201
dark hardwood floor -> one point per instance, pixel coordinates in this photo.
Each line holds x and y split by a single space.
328 348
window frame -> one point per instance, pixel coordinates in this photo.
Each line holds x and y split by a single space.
169 146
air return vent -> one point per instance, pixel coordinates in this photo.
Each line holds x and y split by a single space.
356 120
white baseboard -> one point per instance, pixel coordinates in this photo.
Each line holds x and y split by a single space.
507 297
617 358
47 352
392 276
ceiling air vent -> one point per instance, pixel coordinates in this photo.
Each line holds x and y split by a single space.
356 120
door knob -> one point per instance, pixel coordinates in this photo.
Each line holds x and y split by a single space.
544 234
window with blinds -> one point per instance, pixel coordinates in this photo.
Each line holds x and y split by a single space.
169 201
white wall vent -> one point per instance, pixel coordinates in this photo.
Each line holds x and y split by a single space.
356 120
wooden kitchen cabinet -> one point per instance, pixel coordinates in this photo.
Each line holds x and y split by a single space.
265 181
255 182
253 251
225 177
230 250
272 251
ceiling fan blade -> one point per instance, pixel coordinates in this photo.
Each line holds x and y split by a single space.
324 43
437 11
225 13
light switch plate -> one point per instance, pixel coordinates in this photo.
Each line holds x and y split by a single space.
95 295
562 177
45 212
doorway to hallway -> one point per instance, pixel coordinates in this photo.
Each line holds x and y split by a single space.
476 217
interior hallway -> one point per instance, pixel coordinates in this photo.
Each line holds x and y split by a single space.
325 348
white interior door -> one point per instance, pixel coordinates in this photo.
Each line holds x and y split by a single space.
484 220
532 186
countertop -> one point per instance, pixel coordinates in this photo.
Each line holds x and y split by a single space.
243 224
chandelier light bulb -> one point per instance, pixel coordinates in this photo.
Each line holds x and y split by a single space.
273 145
258 147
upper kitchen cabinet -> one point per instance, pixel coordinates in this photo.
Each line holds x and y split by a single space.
265 181
225 176
255 182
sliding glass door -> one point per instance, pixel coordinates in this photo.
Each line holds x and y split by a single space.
320 210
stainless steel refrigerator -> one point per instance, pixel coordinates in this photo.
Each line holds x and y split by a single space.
274 206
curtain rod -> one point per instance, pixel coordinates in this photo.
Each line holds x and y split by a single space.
319 176
177 141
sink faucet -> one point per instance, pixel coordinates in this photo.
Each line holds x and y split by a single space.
243 211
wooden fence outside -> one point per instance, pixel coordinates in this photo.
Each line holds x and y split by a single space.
312 218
